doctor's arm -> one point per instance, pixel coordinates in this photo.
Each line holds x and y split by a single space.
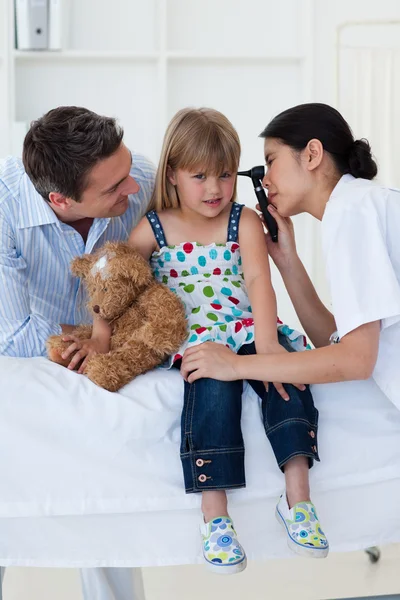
353 358
317 321
355 268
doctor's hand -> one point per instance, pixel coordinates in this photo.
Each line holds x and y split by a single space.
284 250
209 360
276 348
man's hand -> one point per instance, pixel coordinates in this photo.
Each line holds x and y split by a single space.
209 360
86 349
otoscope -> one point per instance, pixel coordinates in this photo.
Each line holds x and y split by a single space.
257 174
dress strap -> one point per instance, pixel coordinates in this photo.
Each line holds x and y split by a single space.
157 228
233 225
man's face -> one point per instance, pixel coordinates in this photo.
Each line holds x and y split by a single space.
108 187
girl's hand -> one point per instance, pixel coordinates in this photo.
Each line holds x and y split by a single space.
284 250
86 350
209 360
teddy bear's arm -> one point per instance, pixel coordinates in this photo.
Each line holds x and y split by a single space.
165 326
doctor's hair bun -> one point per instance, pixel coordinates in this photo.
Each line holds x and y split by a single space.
296 126
361 163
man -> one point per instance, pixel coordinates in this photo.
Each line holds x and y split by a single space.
76 187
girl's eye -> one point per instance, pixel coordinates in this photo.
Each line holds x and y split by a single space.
200 176
225 175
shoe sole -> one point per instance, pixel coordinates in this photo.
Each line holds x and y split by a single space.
299 549
226 569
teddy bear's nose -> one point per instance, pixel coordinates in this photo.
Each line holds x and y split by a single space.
96 308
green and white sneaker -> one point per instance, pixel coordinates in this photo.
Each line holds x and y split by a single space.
222 551
304 532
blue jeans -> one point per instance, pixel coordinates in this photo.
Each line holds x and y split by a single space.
212 449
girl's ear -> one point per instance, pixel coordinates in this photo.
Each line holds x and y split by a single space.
171 175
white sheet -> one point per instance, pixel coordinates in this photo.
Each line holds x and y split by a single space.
92 478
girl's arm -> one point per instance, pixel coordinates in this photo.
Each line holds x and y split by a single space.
353 358
258 282
257 277
317 321
142 238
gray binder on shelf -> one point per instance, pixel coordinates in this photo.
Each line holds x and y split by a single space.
31 20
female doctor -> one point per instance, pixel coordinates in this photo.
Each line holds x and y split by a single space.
316 166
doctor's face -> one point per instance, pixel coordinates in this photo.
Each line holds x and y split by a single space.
287 178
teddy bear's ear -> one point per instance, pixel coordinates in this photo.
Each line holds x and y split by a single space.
81 265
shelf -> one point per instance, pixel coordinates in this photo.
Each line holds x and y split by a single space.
53 55
233 57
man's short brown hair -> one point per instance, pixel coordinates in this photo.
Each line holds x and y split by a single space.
62 147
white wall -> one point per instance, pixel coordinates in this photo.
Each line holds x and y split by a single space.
329 17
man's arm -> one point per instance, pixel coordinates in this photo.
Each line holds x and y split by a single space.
22 333
144 173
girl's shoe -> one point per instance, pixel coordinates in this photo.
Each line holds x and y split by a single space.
222 551
304 532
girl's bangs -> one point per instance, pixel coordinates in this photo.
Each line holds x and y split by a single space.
211 155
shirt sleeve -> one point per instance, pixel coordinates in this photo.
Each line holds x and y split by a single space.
363 282
22 333
144 172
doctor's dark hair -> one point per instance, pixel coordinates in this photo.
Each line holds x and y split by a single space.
62 147
296 126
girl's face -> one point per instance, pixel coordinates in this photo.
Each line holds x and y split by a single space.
204 194
287 178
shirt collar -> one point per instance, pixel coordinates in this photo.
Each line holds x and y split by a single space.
344 180
33 208
34 211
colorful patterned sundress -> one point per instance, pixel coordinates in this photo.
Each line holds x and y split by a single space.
210 282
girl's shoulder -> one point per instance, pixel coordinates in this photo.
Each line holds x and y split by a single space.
169 214
249 219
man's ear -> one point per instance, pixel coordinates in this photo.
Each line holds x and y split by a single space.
171 175
59 201
81 265
314 153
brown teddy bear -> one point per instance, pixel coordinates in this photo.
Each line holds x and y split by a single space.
148 320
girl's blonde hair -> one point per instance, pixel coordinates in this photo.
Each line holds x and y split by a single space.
202 140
